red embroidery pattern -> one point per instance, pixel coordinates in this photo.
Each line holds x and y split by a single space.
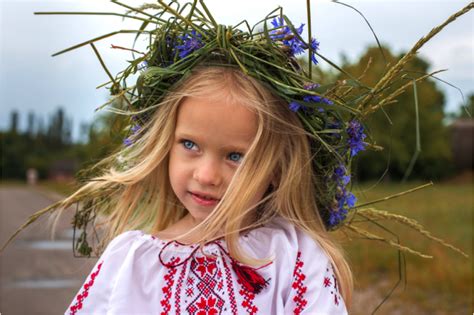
298 285
204 287
208 279
85 291
248 300
230 288
327 283
207 306
178 288
167 289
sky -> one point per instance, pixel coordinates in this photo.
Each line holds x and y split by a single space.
33 81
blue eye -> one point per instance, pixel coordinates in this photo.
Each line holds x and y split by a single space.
235 156
188 144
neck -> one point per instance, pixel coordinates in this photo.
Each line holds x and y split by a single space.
186 224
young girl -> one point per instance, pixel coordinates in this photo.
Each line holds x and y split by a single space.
238 165
224 161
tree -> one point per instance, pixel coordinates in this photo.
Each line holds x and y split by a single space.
31 124
14 116
59 130
394 127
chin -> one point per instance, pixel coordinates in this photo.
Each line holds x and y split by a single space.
199 215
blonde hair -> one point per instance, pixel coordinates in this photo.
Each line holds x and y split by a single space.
140 196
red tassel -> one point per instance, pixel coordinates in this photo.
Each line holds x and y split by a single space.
249 278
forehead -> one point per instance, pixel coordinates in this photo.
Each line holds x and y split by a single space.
216 120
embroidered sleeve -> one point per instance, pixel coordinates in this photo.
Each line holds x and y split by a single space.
314 287
93 296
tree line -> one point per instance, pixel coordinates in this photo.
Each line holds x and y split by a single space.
39 146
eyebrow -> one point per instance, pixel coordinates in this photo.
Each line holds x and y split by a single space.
238 147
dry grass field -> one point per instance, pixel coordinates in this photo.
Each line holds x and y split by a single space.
441 285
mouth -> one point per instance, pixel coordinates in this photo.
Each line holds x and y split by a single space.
204 200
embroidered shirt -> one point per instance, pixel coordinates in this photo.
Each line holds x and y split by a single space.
141 274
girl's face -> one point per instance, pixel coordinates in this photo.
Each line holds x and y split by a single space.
210 141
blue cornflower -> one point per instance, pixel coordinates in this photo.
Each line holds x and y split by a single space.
356 137
190 42
282 31
299 30
337 216
294 43
345 179
314 47
289 39
135 128
350 199
312 98
356 147
327 101
297 47
343 198
318 99
340 175
128 142
295 106
341 201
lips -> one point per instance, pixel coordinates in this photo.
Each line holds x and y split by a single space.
203 199
204 196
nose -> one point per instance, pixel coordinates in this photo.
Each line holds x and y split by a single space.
207 172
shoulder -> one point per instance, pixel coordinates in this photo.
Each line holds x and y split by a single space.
122 242
304 269
281 236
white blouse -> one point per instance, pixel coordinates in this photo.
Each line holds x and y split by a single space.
141 274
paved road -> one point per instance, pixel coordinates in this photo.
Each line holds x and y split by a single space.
37 276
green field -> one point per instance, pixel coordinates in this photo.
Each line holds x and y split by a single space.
442 285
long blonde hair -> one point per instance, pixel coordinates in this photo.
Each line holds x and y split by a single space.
139 196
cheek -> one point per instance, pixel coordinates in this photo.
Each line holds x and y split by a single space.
176 169
228 174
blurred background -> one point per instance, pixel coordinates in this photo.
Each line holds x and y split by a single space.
49 130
